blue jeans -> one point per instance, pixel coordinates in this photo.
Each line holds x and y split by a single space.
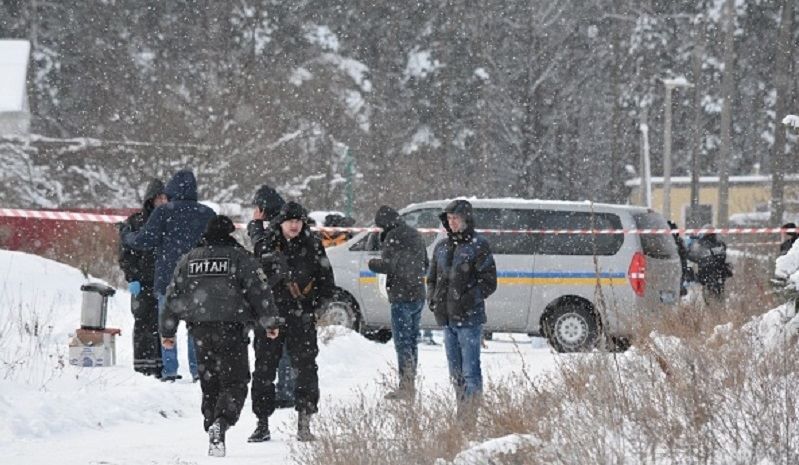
170 356
462 345
405 318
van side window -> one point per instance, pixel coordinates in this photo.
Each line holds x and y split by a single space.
655 245
507 219
425 218
578 244
360 246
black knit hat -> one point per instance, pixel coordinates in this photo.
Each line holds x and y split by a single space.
292 211
268 200
219 226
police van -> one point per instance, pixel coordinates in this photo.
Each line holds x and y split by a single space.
568 287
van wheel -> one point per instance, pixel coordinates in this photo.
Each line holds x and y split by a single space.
571 327
341 310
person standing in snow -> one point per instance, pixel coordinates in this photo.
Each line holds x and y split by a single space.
709 252
172 230
682 252
790 238
139 269
461 276
219 290
301 278
404 262
267 202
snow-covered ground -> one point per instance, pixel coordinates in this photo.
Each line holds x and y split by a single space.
55 413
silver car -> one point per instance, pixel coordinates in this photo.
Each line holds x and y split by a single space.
570 288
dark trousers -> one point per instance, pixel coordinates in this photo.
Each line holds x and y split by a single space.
298 336
224 369
286 379
146 342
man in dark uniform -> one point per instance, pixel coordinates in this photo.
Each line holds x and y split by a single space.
709 252
139 269
219 289
790 238
296 264
687 274
267 202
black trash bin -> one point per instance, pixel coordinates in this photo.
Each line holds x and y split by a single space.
94 308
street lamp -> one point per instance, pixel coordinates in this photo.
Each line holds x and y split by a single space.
670 85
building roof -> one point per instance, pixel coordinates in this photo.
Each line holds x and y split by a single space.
704 180
14 55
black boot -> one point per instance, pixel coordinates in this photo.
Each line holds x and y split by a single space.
304 427
261 432
216 438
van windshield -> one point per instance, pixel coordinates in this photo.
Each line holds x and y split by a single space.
655 245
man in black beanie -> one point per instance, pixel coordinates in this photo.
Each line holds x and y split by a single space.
219 289
301 277
267 202
139 269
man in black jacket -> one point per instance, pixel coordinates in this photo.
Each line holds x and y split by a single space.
267 202
790 238
462 275
301 277
219 289
171 231
139 269
404 262
709 252
687 274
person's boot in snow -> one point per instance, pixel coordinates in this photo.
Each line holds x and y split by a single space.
405 391
304 427
261 433
216 438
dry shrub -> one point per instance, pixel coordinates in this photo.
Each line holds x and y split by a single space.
687 392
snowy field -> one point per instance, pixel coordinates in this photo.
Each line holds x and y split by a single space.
58 414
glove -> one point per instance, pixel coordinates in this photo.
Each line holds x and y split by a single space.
275 266
134 287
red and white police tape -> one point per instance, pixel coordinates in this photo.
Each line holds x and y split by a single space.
98 218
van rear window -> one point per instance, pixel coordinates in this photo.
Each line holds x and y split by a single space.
655 245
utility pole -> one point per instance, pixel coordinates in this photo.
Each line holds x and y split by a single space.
646 172
349 169
670 84
696 146
727 89
782 83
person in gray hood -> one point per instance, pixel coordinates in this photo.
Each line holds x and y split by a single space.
462 275
404 262
219 289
